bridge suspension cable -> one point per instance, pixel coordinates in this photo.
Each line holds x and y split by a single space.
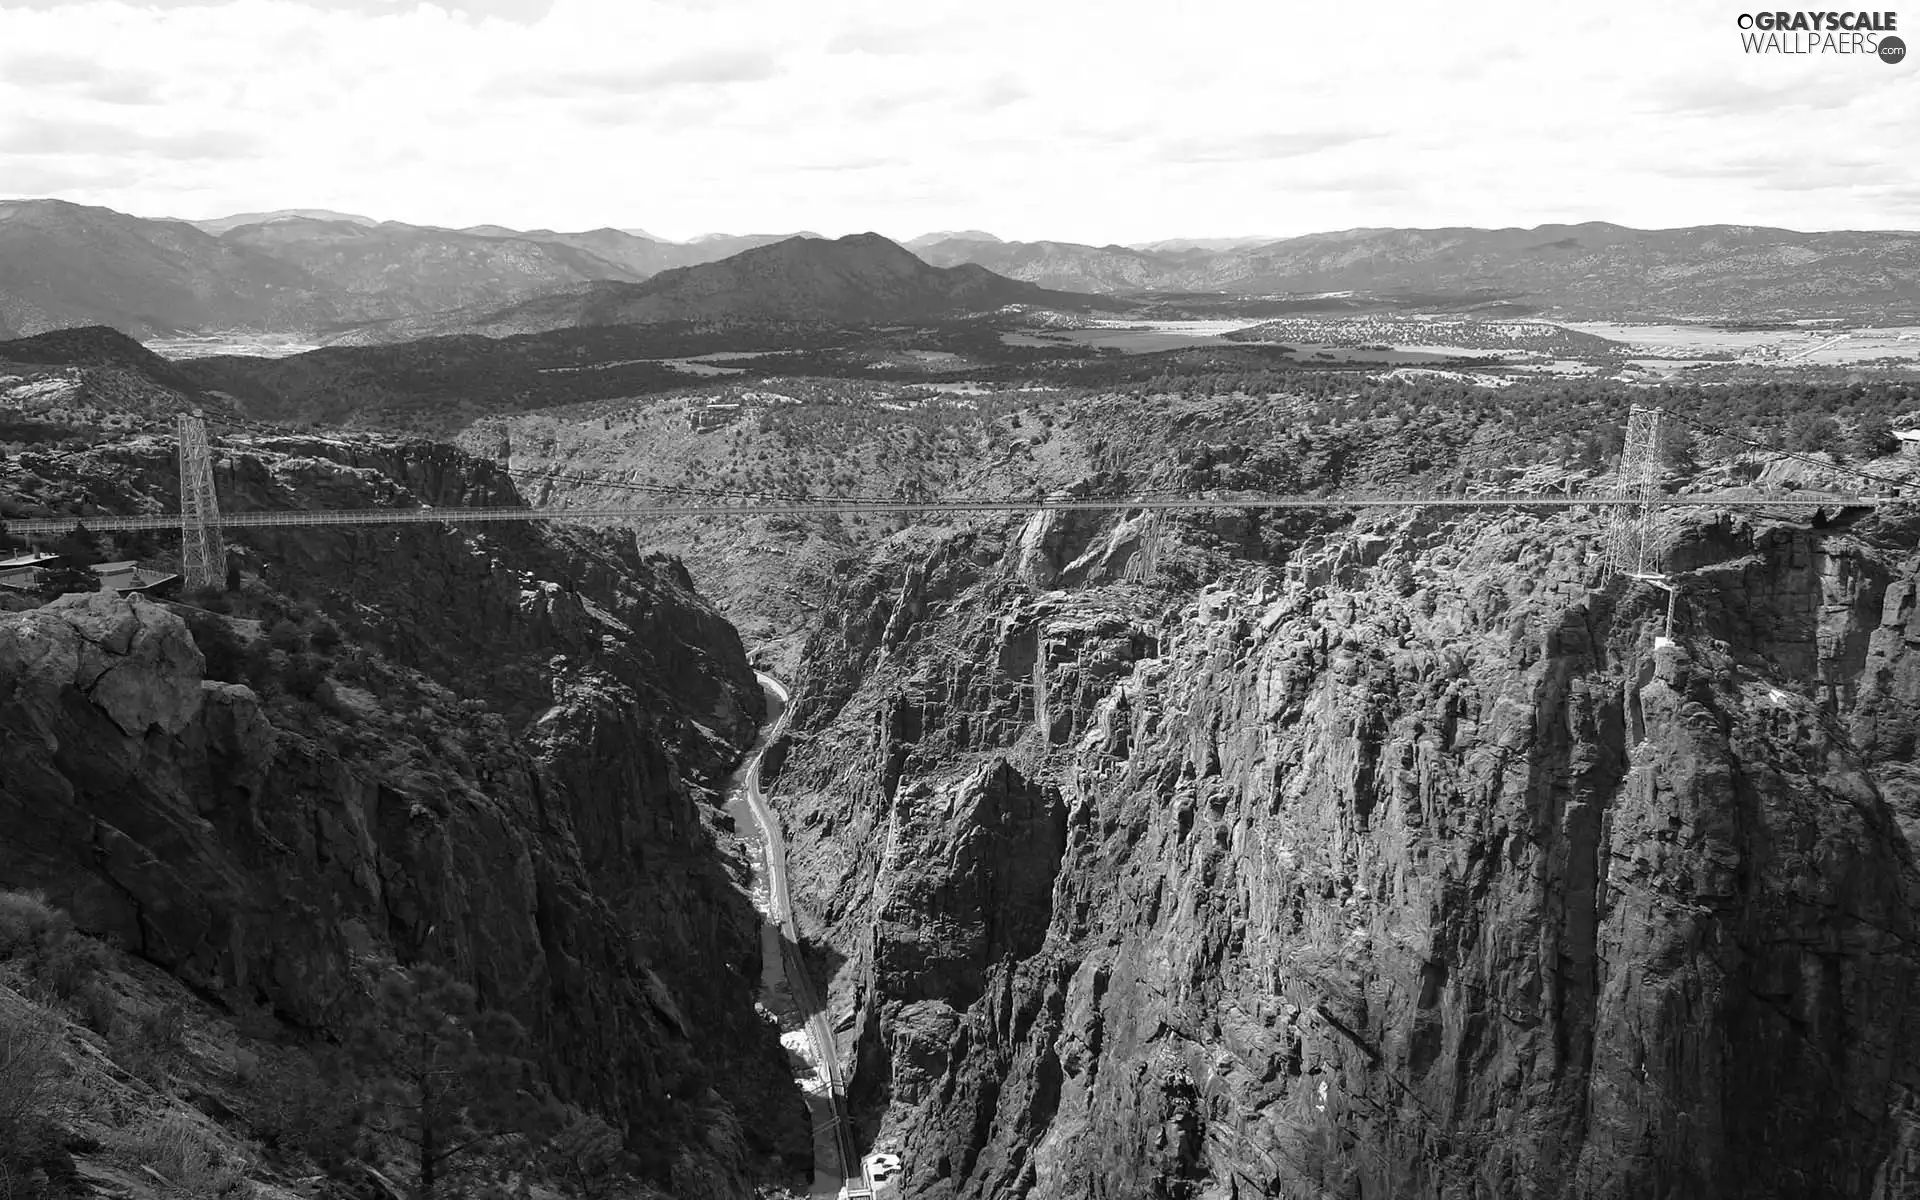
1635 495
588 515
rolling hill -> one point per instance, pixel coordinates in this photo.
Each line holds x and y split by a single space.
66 264
858 278
371 273
1065 266
219 225
1591 270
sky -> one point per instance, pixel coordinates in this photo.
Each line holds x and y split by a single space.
1048 119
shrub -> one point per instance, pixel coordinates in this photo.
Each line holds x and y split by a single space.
132 1055
246 1065
66 968
29 1077
286 637
26 922
54 956
221 646
150 1043
258 666
163 1029
305 673
205 597
98 1006
183 1153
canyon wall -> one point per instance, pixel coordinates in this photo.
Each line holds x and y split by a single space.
523 792
1392 860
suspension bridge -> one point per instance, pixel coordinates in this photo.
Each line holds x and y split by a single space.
1632 499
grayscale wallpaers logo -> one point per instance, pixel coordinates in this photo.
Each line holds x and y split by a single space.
1861 33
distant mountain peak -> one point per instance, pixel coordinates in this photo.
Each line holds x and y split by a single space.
952 235
1181 245
219 225
762 238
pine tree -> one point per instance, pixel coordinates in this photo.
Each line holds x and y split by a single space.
1676 448
588 1154
1812 431
444 1071
1873 437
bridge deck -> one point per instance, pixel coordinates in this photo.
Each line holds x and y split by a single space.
596 514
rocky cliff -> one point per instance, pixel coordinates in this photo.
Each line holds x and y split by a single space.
507 768
1393 859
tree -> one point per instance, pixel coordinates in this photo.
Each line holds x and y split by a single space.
80 548
1675 448
58 581
1873 437
1810 432
587 1153
443 1070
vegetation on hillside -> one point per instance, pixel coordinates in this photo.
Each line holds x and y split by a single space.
112 1073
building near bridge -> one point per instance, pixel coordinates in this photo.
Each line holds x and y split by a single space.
28 573
25 572
130 576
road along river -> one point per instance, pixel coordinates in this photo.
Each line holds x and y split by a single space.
785 988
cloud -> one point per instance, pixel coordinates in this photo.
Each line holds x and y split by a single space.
1737 98
31 176
1786 173
881 40
85 78
851 164
679 115
521 12
1371 182
1000 93
34 135
709 67
1476 66
1258 146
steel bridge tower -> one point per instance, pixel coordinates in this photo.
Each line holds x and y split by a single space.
1629 548
203 552
1629 543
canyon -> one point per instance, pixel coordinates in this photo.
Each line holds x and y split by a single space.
508 766
1302 853
1409 861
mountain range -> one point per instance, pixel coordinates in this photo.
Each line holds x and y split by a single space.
859 278
310 271
1591 270
333 276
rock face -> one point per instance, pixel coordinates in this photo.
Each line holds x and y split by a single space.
534 812
1414 866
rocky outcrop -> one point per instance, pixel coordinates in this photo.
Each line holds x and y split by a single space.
533 810
1417 865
